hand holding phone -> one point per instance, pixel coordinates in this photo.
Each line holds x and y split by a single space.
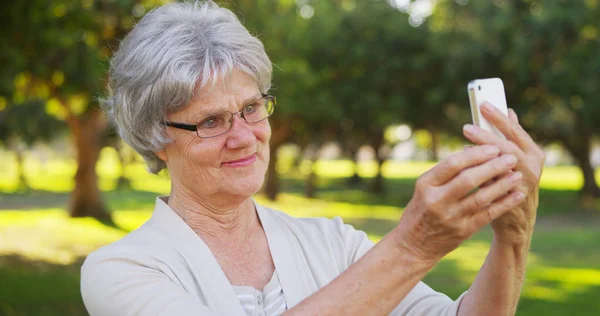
490 91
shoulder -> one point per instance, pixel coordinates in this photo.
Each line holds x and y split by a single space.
140 274
143 247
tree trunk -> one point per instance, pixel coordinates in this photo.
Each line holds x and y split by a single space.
378 187
122 182
590 189
85 198
311 179
300 157
580 150
355 179
272 182
280 134
23 185
435 142
377 142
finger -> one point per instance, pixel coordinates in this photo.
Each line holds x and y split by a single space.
484 197
536 150
513 116
480 136
508 126
498 208
490 182
474 177
452 165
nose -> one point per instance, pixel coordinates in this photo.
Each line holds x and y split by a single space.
241 134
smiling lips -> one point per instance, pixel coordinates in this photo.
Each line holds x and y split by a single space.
246 161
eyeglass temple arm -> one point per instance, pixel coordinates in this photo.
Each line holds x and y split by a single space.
189 127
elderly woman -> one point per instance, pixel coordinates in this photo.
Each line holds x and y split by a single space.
189 91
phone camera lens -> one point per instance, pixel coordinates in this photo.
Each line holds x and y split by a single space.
479 88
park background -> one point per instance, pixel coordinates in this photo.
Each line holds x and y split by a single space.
371 93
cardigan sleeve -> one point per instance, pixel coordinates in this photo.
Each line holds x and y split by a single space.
118 284
422 300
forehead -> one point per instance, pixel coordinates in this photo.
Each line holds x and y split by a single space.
237 84
228 94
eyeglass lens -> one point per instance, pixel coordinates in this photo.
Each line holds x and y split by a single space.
219 123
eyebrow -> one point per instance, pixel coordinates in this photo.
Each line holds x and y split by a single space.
211 110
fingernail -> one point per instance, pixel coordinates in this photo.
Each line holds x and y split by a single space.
509 160
470 129
492 150
516 177
514 115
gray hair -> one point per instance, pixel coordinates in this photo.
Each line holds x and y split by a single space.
173 52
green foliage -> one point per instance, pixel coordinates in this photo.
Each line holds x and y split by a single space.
344 70
55 56
27 123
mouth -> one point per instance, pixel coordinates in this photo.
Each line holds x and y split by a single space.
246 161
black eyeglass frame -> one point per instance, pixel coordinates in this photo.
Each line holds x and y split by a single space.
194 127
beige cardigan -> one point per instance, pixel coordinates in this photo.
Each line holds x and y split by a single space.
164 268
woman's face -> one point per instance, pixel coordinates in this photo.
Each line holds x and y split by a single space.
228 167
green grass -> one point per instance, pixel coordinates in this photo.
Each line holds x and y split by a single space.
41 248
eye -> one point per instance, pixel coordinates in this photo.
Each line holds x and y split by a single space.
210 122
250 108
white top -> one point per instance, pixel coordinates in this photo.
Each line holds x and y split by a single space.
269 301
164 268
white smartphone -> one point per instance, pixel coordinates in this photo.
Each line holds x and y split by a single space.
491 91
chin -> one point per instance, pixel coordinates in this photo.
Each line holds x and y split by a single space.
246 186
245 190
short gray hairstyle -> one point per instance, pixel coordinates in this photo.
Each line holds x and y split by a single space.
174 51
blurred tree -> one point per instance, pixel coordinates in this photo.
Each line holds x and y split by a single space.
57 51
560 90
547 54
304 110
21 126
365 58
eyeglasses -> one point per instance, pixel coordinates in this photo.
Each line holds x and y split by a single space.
219 123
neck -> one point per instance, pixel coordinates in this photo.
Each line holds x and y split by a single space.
215 221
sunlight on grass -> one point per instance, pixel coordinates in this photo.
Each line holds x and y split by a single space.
299 206
469 256
57 175
158 184
131 220
368 169
544 293
567 275
543 281
51 235
557 284
564 178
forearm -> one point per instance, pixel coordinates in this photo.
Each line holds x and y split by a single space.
374 285
498 284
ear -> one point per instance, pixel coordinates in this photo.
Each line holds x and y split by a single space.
162 154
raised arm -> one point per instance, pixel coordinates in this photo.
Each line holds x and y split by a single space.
498 285
440 216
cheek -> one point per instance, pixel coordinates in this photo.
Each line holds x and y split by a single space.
203 154
263 133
